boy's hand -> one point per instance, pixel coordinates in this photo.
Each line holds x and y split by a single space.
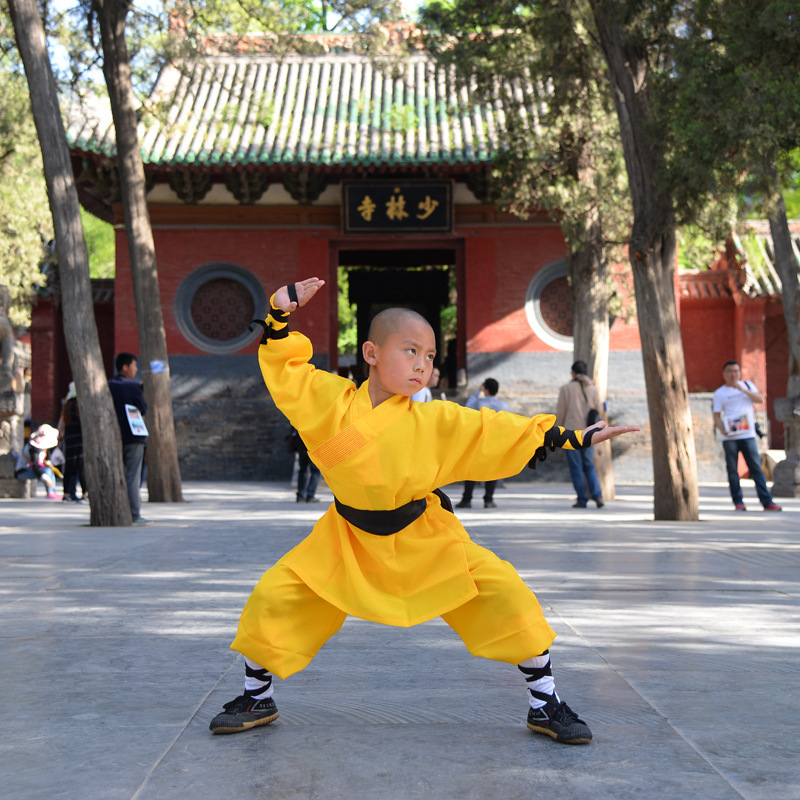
305 291
603 432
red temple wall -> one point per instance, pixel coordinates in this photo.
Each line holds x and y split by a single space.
708 333
271 256
499 264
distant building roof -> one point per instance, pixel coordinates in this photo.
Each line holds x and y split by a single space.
334 109
745 267
755 243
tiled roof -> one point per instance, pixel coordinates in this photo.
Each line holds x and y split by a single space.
755 244
704 285
746 266
318 111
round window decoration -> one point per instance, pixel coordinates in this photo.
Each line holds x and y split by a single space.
215 305
548 306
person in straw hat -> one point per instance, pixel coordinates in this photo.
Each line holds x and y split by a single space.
34 462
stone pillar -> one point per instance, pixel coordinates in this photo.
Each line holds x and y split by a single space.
786 474
7 340
12 437
12 405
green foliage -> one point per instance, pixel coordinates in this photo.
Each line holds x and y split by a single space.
100 242
727 105
561 152
278 25
449 316
348 329
25 221
696 249
401 118
791 197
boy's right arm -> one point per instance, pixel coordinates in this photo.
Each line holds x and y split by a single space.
289 300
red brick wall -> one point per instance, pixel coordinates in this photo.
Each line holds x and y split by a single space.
752 360
45 332
707 330
272 256
499 263
50 367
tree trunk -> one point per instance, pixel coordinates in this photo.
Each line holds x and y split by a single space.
163 473
102 442
652 250
787 409
588 272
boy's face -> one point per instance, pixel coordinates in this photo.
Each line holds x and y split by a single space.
402 364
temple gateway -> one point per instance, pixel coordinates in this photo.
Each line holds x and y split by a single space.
262 170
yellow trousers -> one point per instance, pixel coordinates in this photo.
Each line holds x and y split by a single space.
284 623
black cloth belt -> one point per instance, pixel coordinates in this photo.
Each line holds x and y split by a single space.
385 523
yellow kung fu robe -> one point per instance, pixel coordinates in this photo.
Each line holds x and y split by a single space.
379 459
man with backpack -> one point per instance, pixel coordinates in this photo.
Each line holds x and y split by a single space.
578 402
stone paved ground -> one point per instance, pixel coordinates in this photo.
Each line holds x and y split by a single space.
678 642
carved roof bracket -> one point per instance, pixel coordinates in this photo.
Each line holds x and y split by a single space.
481 185
304 186
191 187
247 187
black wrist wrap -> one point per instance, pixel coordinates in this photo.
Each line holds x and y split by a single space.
558 437
276 325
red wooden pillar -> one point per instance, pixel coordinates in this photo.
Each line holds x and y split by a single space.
753 350
46 335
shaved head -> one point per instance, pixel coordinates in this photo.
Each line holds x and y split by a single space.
390 321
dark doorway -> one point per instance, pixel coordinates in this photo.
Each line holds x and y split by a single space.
424 292
422 279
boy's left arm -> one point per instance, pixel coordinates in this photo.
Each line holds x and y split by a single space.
577 440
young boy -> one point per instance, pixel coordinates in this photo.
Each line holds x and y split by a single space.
388 550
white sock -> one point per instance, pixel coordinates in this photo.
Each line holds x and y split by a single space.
257 680
539 678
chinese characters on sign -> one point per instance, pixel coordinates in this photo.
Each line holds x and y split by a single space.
397 206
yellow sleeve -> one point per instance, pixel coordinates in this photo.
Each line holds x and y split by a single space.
314 401
478 445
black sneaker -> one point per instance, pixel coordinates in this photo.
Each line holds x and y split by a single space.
559 721
244 712
464 504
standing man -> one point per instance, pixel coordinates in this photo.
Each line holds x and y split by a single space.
131 407
485 397
575 400
735 419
